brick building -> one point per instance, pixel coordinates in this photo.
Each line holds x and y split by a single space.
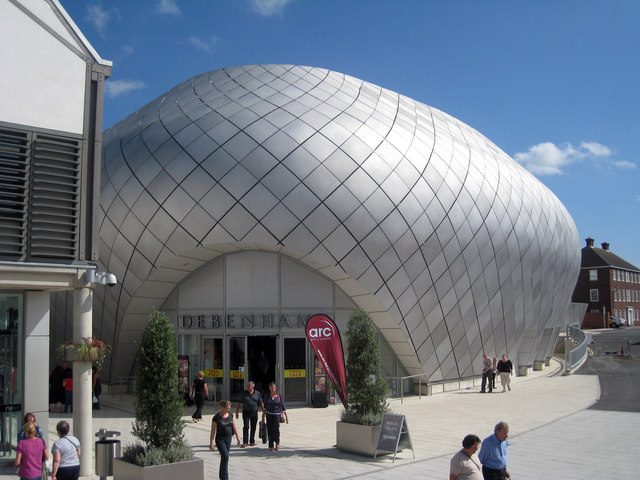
609 285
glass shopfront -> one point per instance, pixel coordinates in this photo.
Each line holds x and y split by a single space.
11 315
242 317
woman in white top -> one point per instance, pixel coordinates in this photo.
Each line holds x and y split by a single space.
66 454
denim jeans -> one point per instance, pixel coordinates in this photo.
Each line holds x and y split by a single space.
68 401
223 445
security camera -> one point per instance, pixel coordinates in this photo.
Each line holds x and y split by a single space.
110 280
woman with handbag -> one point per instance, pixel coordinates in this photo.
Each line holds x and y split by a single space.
30 454
66 454
276 413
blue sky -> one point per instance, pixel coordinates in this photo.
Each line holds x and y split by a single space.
555 84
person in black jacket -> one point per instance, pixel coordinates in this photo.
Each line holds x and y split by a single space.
505 367
96 388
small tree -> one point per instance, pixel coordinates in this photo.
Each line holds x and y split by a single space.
159 406
366 392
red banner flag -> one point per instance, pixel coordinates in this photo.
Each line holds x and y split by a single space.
325 340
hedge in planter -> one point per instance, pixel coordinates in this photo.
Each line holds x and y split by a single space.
159 406
365 390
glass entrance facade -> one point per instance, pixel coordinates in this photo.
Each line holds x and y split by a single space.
242 317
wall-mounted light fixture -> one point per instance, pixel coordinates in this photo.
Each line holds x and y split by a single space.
100 278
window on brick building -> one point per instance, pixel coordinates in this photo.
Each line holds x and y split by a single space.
593 295
593 275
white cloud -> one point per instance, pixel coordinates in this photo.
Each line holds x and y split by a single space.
168 7
624 164
98 16
115 88
549 159
597 149
127 51
206 45
546 158
268 8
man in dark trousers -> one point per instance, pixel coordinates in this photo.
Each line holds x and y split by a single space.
493 454
486 373
251 400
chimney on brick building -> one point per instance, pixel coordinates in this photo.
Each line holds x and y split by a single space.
590 241
605 246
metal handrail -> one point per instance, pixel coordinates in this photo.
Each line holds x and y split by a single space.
121 381
399 381
575 357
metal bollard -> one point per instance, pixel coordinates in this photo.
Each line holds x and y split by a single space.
107 448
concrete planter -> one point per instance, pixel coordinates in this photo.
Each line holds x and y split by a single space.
358 439
191 470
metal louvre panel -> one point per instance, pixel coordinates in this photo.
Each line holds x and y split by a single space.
54 198
14 158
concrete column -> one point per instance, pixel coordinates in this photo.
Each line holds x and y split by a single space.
35 376
82 407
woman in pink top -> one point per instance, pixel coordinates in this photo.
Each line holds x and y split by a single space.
30 453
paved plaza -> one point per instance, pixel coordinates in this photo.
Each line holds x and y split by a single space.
553 434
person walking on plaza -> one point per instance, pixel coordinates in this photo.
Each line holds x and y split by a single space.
30 453
222 429
494 372
274 410
67 383
463 465
486 373
66 454
29 417
199 392
96 387
505 367
56 389
493 454
251 400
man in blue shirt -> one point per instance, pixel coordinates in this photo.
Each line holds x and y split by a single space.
493 454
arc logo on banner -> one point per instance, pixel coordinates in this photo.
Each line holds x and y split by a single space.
325 340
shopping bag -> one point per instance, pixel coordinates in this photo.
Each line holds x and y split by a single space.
263 432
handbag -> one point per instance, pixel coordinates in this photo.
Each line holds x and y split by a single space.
262 433
94 399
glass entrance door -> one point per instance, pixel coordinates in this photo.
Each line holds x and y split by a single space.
295 370
213 367
237 367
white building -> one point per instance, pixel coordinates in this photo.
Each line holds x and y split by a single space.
51 96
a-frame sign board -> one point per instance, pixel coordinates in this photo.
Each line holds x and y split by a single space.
394 435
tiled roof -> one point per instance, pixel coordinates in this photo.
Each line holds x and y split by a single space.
598 257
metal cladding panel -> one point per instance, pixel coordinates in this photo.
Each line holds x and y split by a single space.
461 244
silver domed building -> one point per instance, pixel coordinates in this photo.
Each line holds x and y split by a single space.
246 199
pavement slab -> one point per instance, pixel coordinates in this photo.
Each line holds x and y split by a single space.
553 434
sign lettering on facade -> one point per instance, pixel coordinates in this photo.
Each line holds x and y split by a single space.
295 373
241 320
213 372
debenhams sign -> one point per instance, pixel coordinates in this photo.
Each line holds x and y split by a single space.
242 320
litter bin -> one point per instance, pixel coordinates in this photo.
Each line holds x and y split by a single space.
107 448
